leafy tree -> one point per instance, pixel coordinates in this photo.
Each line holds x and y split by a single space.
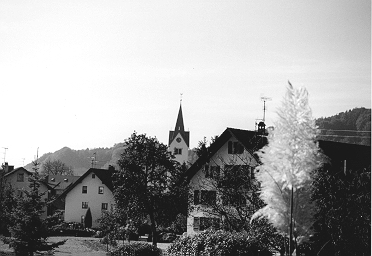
287 163
56 167
148 184
343 212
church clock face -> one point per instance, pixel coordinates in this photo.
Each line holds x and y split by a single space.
178 140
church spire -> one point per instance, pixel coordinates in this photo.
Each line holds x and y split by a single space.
179 123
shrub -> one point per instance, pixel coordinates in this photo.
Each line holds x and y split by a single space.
212 242
137 249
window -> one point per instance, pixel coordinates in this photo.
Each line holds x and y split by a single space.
100 190
234 147
104 206
233 199
212 171
20 177
177 151
84 190
203 223
84 205
19 193
93 176
205 197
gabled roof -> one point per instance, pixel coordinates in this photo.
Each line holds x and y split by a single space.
28 173
251 141
61 181
103 174
18 169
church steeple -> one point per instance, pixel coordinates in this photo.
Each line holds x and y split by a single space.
179 123
179 139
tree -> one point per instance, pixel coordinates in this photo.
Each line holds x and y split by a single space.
28 230
343 211
287 163
148 184
56 167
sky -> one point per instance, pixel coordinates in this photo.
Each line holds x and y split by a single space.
87 74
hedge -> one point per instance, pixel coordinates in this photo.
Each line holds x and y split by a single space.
137 249
219 243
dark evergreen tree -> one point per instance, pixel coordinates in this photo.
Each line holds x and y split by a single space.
28 231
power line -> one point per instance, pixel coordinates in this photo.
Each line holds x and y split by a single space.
342 130
344 136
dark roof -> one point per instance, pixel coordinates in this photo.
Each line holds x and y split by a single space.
59 181
251 141
103 174
357 156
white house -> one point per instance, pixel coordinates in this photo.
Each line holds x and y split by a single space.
93 190
233 148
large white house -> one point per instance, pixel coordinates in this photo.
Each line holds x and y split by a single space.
93 190
233 148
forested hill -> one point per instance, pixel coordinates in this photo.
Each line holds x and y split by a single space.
81 160
352 126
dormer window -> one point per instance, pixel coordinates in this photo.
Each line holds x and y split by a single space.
52 179
65 180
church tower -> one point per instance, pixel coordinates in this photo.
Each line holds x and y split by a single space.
179 140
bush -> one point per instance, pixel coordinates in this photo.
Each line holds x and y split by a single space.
212 242
137 249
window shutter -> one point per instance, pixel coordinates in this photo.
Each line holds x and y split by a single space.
196 197
206 171
196 223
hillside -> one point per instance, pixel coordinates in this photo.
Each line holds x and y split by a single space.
352 126
81 160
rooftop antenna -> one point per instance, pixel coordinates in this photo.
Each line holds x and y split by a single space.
181 98
4 153
264 99
94 159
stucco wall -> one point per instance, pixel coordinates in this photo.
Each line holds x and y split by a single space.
74 199
199 182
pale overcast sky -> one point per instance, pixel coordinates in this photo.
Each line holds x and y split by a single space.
86 74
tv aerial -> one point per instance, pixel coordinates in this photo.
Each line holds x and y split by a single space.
264 99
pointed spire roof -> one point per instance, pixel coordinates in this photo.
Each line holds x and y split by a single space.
179 129
179 123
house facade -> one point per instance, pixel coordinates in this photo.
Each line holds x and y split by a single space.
93 190
232 151
18 180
